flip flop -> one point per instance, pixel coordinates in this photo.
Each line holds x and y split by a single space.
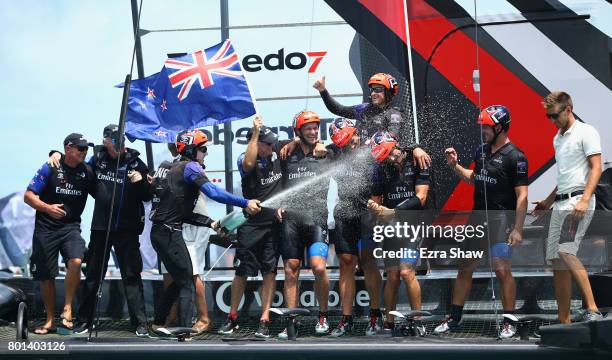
66 321
202 330
45 330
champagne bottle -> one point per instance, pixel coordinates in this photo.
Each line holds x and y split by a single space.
233 220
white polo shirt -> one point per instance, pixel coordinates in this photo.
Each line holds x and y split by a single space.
571 151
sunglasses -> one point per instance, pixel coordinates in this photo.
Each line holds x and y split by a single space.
79 148
555 116
377 89
202 149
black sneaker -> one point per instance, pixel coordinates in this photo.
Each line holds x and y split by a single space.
263 331
82 328
228 327
142 330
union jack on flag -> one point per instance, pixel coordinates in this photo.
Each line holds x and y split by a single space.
223 62
203 88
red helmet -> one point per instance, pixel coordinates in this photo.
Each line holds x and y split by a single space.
382 143
305 117
495 114
385 80
341 131
189 140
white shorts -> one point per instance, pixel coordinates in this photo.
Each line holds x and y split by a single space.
196 239
560 210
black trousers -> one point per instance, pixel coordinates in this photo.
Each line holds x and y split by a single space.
127 249
172 251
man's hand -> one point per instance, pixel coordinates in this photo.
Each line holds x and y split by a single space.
216 225
134 176
580 209
257 124
279 214
54 160
288 148
319 84
515 238
320 150
451 157
382 212
56 211
422 158
540 208
253 207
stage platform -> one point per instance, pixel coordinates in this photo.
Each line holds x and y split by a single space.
477 340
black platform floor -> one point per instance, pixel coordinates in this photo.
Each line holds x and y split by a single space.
116 340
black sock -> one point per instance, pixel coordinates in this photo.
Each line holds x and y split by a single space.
347 319
375 312
323 313
456 312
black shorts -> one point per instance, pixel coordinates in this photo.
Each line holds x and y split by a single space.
496 231
257 249
46 245
346 235
298 234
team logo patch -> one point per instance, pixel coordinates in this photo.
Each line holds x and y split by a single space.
521 167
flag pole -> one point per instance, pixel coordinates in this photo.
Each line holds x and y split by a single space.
227 126
140 68
411 73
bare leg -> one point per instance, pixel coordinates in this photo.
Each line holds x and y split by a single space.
463 284
267 293
71 283
238 286
390 291
292 275
563 290
373 279
408 273
47 288
508 285
200 303
581 277
319 269
347 282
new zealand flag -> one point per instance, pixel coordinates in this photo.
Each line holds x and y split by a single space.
206 87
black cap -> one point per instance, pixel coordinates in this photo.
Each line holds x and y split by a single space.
111 131
76 140
265 135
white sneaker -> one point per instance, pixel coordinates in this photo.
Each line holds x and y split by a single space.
508 331
374 326
589 315
322 326
283 335
447 325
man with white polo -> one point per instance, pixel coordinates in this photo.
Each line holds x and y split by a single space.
578 157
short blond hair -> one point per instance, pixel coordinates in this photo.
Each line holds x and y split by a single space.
560 98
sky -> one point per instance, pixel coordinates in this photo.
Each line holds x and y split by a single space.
61 59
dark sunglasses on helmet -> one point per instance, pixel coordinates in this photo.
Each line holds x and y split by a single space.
202 149
554 116
377 89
